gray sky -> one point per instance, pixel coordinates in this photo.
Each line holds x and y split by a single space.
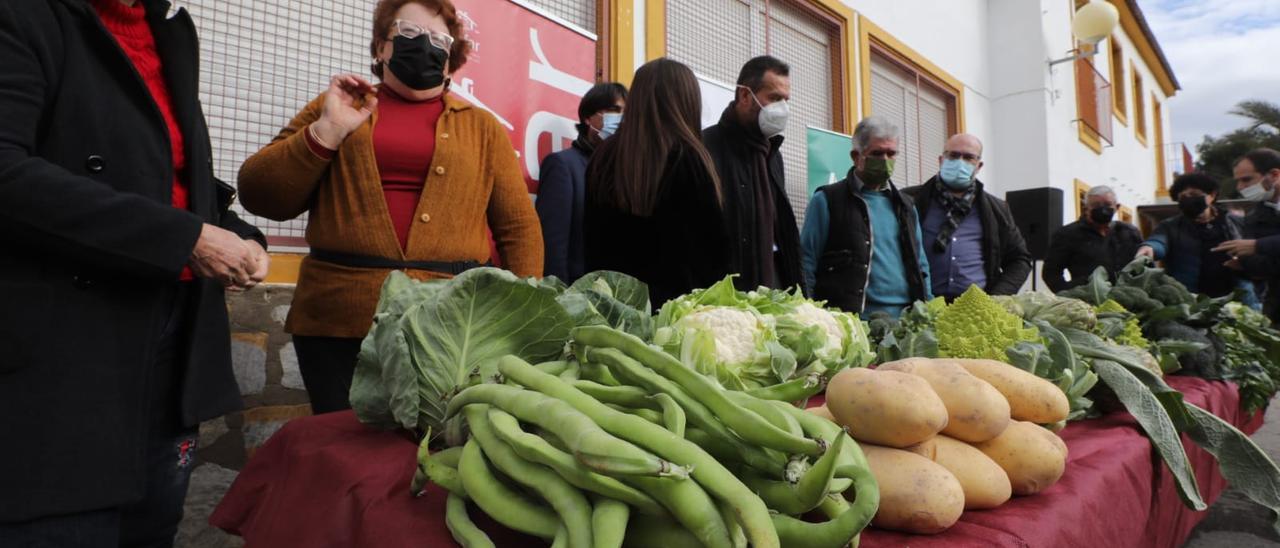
1222 51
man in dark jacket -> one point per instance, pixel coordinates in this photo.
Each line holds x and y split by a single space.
562 176
116 245
969 236
1186 242
1097 239
1257 176
862 248
744 146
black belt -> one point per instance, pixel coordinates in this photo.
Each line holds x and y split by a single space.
353 260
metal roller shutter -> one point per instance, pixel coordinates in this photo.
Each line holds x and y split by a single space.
260 63
716 37
581 13
922 112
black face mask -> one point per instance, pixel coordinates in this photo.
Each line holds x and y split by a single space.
1102 215
1193 206
417 63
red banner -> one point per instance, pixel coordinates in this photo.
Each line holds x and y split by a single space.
528 70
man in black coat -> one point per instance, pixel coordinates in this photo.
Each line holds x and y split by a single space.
744 146
1257 176
969 236
108 359
1096 239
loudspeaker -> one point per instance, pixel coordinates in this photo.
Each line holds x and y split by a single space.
1038 213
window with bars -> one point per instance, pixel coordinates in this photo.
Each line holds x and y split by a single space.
261 62
924 112
716 37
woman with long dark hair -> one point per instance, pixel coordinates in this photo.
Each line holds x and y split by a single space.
653 205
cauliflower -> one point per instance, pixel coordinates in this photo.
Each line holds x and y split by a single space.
808 315
734 330
976 326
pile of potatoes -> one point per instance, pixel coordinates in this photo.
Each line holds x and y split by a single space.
945 435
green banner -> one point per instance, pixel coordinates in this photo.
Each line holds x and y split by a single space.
829 158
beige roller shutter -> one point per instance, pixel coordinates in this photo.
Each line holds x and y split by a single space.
922 111
716 37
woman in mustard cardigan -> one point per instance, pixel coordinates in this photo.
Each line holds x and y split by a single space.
402 176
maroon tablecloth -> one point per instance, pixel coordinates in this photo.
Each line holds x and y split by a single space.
330 481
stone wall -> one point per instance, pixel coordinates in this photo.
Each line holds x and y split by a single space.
266 369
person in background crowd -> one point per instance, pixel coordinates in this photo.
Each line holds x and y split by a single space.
861 237
765 246
402 176
653 205
1185 243
1257 175
1096 239
118 245
562 181
969 236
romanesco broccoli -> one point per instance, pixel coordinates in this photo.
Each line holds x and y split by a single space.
976 326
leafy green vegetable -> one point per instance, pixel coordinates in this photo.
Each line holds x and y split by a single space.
1130 329
610 298
1151 414
976 326
1094 291
1244 465
449 337
1058 311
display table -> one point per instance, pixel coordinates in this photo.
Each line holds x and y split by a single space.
331 481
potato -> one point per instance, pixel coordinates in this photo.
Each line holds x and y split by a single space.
927 448
822 411
985 484
975 409
917 495
1031 398
1032 461
1055 439
885 407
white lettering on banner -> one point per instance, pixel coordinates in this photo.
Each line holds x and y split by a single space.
545 73
562 131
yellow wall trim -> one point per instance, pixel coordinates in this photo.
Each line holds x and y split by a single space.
1089 137
867 32
655 29
1157 127
1146 49
1119 103
284 268
1081 189
622 40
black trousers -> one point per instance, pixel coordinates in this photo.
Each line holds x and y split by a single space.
170 456
327 365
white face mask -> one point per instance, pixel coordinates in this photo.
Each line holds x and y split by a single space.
1258 192
773 118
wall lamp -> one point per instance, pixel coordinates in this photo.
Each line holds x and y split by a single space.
1091 24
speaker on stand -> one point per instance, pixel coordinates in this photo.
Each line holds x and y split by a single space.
1038 214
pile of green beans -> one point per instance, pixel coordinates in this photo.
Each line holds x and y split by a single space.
624 445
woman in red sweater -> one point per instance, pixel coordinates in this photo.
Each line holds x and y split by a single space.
401 176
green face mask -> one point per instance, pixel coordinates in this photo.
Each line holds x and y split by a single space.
876 171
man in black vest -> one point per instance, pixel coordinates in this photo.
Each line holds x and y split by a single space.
861 237
114 340
744 146
969 235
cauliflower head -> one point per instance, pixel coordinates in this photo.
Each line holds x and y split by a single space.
736 332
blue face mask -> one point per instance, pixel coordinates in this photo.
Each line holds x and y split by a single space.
956 174
609 122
